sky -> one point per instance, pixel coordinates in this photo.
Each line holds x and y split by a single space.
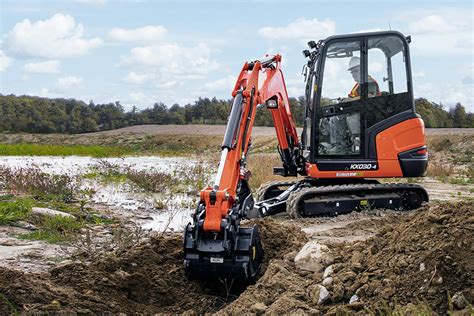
142 52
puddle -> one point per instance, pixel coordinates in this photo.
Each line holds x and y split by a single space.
75 165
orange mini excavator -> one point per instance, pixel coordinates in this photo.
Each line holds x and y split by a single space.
359 124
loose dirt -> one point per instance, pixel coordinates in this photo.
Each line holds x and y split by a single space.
147 279
425 256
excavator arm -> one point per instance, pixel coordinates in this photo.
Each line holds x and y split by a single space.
215 244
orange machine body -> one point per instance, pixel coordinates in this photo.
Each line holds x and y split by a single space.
391 142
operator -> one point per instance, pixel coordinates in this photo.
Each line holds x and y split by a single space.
354 68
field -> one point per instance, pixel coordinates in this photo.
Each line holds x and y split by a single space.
92 223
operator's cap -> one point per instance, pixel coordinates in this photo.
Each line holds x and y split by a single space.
354 62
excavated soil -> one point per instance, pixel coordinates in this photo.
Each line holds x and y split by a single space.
383 271
147 279
425 257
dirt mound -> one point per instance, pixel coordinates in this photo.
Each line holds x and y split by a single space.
148 279
425 258
428 258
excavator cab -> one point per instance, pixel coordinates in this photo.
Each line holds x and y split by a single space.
359 86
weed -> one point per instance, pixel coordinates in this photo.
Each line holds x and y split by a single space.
13 309
40 185
6 197
12 211
194 177
108 172
150 180
440 170
55 229
261 167
439 143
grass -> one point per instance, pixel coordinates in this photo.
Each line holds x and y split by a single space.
26 149
14 210
55 229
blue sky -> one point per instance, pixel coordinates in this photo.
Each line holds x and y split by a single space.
142 52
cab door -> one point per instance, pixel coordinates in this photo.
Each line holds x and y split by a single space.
339 111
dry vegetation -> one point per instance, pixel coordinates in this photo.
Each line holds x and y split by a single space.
451 158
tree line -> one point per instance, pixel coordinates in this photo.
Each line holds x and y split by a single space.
43 115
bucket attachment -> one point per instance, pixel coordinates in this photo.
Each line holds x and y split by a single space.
233 253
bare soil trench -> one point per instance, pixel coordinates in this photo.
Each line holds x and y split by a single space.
382 257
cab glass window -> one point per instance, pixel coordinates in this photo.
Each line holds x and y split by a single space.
341 73
386 65
339 117
387 84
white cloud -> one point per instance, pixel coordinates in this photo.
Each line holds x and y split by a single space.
375 29
5 61
440 32
221 86
45 67
57 37
67 83
173 60
295 86
94 2
419 74
150 33
135 78
301 28
431 24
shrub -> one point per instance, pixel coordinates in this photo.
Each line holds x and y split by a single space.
35 182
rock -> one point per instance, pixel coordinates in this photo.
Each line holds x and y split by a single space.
55 304
354 299
65 263
347 276
438 281
313 257
362 290
338 291
319 294
459 301
26 225
328 271
356 259
258 308
327 281
43 211
422 267
11 242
